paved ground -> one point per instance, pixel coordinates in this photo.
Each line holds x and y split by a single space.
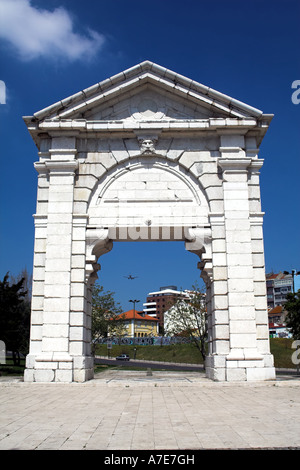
136 411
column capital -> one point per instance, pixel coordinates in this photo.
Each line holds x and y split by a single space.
234 165
61 167
234 169
256 165
56 166
41 168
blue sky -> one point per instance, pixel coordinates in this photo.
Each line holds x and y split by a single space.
50 49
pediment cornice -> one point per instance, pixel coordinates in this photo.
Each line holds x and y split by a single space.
80 112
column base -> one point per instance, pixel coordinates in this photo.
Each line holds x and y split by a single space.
237 369
55 367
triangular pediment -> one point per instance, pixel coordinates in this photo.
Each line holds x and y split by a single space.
149 102
147 95
121 95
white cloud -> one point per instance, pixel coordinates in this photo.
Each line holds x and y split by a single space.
36 33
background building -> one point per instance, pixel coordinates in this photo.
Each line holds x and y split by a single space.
160 301
277 326
138 324
278 286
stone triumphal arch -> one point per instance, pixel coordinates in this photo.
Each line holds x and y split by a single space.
148 155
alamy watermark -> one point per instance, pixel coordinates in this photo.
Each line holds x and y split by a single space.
296 354
296 94
2 352
196 237
2 92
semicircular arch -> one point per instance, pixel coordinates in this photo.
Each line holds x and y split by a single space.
148 191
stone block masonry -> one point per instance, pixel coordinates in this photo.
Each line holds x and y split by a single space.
148 155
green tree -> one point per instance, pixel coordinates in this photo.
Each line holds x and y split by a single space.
14 317
104 312
187 317
27 283
292 320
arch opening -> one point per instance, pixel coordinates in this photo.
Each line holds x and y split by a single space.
155 267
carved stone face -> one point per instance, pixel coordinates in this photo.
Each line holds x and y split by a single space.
147 146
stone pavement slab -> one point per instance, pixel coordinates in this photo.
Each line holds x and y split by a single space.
133 411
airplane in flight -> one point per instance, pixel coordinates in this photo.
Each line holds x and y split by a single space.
131 277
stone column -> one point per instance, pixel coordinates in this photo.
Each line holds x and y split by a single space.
80 303
218 298
244 361
53 361
38 275
259 276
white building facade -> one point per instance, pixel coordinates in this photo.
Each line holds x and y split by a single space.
148 155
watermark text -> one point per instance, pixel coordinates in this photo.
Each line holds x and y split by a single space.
296 354
296 94
2 92
2 352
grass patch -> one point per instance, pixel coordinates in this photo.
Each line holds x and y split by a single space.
179 353
281 348
102 368
187 353
10 369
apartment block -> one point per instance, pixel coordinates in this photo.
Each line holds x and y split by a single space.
278 286
159 302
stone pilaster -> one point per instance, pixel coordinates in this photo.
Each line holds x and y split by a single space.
52 360
244 361
80 311
38 275
217 283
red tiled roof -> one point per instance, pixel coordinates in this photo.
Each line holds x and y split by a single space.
276 325
131 314
271 276
275 310
280 275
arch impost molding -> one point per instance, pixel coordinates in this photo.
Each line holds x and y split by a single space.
97 244
198 240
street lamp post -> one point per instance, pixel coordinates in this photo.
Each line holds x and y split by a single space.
134 302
